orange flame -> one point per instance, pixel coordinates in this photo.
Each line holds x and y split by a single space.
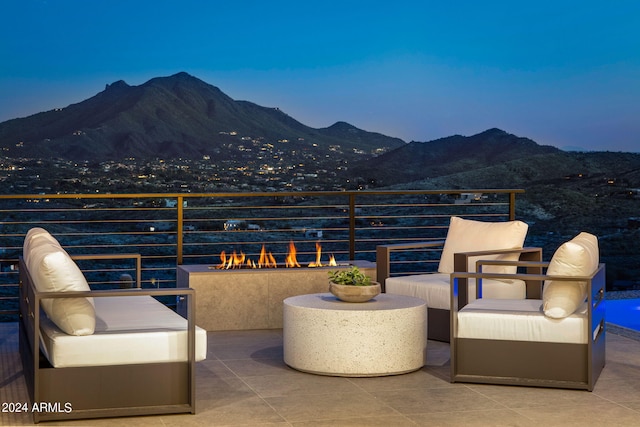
267 260
291 260
332 261
232 261
317 263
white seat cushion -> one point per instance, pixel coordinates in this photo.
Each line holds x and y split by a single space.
519 320
435 288
129 330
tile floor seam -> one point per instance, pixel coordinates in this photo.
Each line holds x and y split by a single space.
461 411
478 391
571 407
397 413
256 393
519 412
621 404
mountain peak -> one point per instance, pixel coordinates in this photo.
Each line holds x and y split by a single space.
493 132
181 77
341 125
120 84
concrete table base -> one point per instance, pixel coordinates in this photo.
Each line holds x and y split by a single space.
385 336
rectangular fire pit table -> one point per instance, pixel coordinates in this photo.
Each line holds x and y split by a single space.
326 336
252 298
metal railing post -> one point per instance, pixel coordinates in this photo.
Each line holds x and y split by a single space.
352 226
512 206
180 229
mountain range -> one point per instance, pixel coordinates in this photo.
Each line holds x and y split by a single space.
175 116
181 116
447 156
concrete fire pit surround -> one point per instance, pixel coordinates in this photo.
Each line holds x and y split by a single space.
252 298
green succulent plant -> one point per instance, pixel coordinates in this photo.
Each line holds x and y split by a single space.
352 277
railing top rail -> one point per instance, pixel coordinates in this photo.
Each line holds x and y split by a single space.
256 194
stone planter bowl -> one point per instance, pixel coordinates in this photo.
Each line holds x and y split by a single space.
350 293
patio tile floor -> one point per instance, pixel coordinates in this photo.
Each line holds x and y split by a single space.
244 382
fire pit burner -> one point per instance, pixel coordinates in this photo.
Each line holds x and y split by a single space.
267 260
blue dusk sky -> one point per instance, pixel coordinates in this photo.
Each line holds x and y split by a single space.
563 73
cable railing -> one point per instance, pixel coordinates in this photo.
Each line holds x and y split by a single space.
184 228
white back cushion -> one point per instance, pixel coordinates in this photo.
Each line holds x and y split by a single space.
578 257
53 270
466 235
34 234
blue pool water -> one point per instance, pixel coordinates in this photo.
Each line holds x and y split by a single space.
624 312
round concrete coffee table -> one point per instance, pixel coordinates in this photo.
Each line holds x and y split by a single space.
384 336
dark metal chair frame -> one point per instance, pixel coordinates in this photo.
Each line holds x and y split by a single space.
529 363
103 391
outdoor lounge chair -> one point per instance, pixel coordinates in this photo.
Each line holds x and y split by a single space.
108 353
466 242
556 341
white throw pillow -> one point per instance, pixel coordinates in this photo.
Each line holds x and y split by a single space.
53 270
577 257
34 234
466 235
